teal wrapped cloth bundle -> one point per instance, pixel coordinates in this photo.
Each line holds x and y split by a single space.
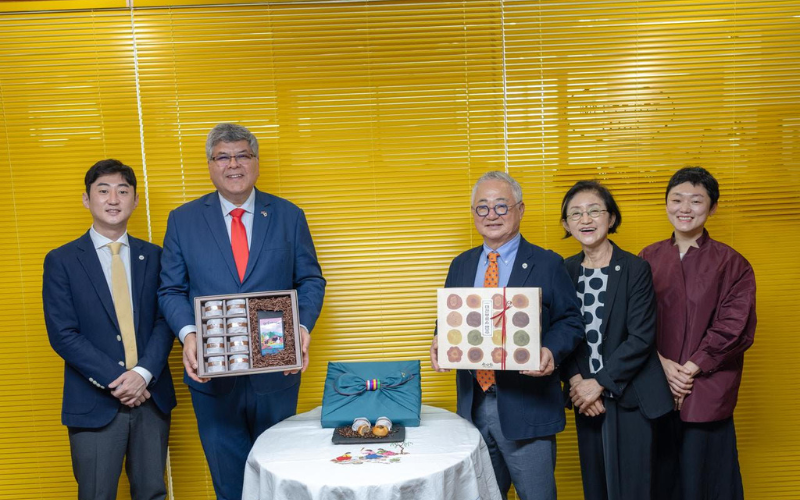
372 389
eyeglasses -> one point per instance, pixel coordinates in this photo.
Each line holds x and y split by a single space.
225 160
594 213
500 209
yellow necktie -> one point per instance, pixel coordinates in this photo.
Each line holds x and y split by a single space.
491 279
122 304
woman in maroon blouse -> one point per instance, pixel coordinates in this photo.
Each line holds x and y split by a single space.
706 294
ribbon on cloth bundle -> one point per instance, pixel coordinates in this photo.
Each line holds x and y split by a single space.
372 390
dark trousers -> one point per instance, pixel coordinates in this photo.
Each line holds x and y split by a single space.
696 461
529 463
138 435
229 424
616 453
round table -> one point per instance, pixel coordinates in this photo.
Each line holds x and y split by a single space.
444 458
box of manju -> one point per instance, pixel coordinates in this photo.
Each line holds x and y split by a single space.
242 334
489 328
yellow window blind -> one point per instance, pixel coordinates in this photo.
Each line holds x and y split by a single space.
629 92
376 117
372 117
68 97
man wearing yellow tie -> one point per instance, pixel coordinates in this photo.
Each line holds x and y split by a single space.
101 311
517 413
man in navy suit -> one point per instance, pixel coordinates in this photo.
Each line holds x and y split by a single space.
237 240
101 311
520 413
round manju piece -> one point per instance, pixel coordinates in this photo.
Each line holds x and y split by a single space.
521 338
454 337
474 337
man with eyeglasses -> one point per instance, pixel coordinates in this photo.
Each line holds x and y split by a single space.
237 240
518 413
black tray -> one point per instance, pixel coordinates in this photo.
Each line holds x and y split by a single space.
396 435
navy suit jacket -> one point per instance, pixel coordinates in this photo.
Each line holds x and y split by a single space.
529 407
631 369
82 326
198 260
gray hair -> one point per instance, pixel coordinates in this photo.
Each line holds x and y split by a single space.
496 175
230 132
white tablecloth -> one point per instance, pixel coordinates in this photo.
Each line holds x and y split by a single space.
444 458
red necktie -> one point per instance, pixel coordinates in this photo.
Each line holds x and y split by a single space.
239 242
490 280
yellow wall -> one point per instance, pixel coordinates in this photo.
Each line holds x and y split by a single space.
376 118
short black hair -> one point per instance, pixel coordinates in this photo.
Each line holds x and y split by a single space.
601 191
109 167
695 176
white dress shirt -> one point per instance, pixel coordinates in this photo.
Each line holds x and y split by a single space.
104 254
247 217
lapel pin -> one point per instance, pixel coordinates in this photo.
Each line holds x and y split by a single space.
141 257
524 265
263 213
617 268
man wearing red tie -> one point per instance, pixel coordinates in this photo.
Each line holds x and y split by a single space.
517 413
237 240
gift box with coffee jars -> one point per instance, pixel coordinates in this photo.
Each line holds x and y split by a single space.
242 334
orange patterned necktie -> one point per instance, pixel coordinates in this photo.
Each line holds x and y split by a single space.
490 280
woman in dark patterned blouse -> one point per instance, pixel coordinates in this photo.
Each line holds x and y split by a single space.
614 378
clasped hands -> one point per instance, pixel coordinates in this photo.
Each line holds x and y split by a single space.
130 388
585 394
680 378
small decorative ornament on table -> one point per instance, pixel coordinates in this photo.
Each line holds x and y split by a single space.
489 328
368 455
382 427
361 426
